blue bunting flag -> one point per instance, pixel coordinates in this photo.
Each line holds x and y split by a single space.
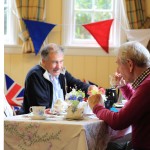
38 32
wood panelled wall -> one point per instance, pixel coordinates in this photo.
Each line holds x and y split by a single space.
93 68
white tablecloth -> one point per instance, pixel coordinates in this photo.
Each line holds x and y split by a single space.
23 133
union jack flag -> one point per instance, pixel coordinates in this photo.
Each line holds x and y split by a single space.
13 92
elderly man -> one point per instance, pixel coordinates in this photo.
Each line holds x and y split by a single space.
133 79
48 81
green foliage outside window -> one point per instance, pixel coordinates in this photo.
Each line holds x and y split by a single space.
103 4
88 11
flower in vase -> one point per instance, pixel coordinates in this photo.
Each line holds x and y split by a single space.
74 98
75 95
99 91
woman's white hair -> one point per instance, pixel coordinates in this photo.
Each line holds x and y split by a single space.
136 52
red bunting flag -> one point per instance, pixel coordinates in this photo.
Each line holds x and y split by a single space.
100 31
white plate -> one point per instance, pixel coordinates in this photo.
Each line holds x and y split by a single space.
37 117
119 105
73 118
54 116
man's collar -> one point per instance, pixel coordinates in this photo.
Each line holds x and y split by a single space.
139 79
46 75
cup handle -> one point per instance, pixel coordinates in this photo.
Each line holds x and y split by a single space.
30 109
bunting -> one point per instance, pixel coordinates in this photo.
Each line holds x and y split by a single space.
140 35
100 31
38 32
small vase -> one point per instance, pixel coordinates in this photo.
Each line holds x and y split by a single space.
74 113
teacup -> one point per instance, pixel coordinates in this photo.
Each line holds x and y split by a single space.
37 110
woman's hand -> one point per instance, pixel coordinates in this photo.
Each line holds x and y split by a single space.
94 100
116 80
92 87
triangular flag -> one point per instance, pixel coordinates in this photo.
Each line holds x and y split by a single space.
100 31
38 32
140 35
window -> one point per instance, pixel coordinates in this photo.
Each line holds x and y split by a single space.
82 12
6 17
10 23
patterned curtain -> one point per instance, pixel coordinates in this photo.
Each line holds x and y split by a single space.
136 13
138 22
31 10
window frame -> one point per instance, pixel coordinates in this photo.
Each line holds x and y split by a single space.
11 38
67 27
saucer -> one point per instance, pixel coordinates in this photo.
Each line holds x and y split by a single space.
118 105
71 119
37 117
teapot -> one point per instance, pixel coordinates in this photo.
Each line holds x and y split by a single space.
111 96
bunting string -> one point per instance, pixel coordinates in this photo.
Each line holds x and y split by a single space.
116 19
38 31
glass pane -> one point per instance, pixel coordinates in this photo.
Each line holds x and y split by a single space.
102 16
80 31
83 4
96 13
103 4
5 1
5 21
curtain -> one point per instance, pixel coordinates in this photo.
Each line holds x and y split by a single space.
31 10
136 13
138 21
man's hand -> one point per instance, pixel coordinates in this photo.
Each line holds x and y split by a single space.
94 100
47 111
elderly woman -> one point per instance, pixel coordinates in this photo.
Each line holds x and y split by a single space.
133 79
